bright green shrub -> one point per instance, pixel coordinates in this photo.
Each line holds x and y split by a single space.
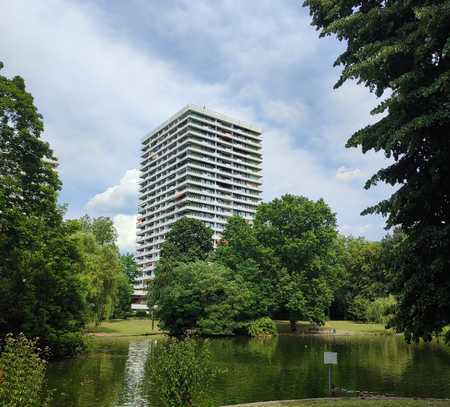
181 372
22 373
262 326
380 310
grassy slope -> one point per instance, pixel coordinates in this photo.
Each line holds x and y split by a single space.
368 403
129 327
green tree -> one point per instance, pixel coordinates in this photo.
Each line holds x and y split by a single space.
380 310
22 374
187 240
102 273
196 290
130 266
102 228
40 292
241 252
122 298
29 183
364 279
302 238
404 48
205 298
103 270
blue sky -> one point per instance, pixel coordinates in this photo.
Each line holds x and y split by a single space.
105 73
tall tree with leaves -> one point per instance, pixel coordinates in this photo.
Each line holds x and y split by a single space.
364 279
188 240
100 266
40 293
241 251
403 47
102 228
302 238
130 266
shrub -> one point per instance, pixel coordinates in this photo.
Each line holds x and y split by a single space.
380 310
262 326
22 373
181 372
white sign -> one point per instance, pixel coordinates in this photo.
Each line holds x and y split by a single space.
330 358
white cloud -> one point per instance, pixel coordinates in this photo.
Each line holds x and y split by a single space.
290 169
348 174
118 198
99 93
101 90
126 229
115 201
285 113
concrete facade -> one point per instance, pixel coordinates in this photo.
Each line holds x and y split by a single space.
199 164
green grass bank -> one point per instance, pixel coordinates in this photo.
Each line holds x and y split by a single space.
125 327
142 327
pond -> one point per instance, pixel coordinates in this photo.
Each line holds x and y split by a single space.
283 367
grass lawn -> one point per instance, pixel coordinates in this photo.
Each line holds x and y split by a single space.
355 327
364 403
134 327
125 327
341 327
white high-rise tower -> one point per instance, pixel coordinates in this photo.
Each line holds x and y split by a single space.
199 164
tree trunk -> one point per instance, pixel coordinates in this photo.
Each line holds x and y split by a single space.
293 325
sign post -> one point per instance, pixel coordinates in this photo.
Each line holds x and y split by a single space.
330 359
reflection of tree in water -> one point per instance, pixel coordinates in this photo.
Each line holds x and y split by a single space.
92 379
387 365
432 361
265 369
133 390
371 364
264 346
292 367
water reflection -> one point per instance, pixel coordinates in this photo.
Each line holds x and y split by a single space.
258 369
133 394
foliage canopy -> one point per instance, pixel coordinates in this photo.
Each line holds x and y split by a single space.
40 292
301 236
402 48
187 240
